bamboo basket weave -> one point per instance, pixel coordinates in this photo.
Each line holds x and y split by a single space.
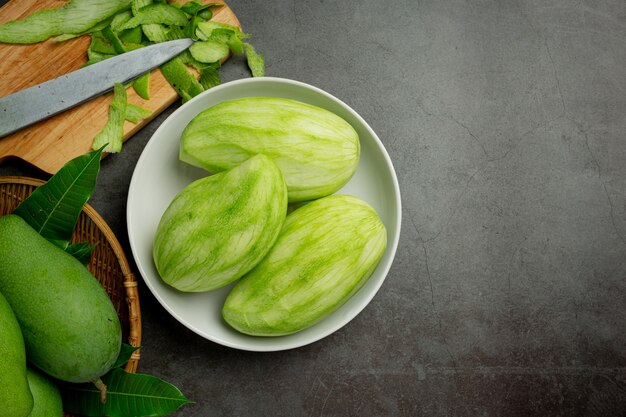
108 262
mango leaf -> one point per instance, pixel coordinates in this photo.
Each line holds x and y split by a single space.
53 208
128 395
125 353
81 251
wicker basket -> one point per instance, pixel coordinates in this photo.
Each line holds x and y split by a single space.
108 262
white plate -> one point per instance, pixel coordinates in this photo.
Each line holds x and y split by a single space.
159 176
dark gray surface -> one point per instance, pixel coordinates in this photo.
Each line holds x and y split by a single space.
506 123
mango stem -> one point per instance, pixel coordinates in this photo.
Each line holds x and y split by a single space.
102 388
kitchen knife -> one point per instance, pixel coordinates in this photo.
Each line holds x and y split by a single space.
44 100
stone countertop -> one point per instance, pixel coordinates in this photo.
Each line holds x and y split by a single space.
506 123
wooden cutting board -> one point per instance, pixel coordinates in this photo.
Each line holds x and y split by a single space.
51 143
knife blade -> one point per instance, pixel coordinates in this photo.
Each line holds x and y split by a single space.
44 100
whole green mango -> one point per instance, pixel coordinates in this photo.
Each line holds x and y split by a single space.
324 254
316 150
219 227
15 396
47 396
71 329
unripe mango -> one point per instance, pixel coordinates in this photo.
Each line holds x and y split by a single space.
324 254
15 396
219 227
46 395
70 327
316 150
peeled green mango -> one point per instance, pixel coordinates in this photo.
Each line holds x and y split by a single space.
71 329
219 227
15 396
47 396
316 150
324 254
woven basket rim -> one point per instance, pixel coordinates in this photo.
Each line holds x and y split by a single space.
91 212
130 281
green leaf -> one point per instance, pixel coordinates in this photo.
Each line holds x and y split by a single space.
135 113
128 395
112 134
125 353
53 208
81 251
255 61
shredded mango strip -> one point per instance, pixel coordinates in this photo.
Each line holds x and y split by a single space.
255 61
113 131
119 26
136 113
75 17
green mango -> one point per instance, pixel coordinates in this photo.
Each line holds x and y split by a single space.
316 150
70 326
15 396
219 227
324 254
47 396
